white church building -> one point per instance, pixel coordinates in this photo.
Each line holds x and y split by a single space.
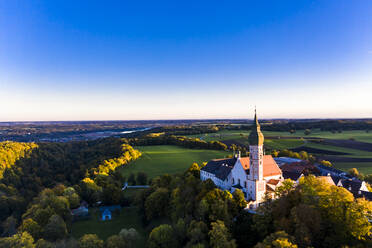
255 175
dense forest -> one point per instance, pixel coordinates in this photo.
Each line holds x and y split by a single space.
41 182
314 214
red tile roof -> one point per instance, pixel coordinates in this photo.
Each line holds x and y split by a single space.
270 168
273 181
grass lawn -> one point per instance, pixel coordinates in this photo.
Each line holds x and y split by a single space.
363 167
241 137
127 218
158 160
281 144
352 152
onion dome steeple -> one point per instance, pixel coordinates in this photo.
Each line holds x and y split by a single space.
256 137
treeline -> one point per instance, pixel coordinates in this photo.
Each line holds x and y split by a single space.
326 125
177 140
188 130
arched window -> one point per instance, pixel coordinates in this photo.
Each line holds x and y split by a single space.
245 184
233 181
239 181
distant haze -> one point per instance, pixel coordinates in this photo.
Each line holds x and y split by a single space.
128 60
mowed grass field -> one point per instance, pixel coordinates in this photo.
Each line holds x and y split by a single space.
241 138
126 218
159 160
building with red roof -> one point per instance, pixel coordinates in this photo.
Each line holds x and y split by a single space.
255 175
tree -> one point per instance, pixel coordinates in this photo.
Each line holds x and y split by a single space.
286 186
72 197
19 240
9 226
132 179
238 196
116 241
90 241
112 194
354 172
32 227
220 236
304 155
55 229
130 236
142 178
277 240
197 233
307 131
162 237
42 243
242 226
195 170
274 153
326 163
157 203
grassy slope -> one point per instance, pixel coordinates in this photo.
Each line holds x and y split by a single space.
158 160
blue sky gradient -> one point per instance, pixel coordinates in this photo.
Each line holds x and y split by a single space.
120 60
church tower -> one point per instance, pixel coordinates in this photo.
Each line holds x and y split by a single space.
256 140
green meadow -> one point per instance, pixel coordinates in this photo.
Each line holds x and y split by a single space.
158 160
126 218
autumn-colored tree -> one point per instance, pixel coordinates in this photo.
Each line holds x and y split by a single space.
32 227
286 186
194 170
162 237
90 241
116 241
277 240
19 240
326 163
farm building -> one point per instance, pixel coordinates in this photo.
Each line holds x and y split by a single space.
107 211
106 214
80 212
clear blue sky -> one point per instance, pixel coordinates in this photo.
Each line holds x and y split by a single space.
118 60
